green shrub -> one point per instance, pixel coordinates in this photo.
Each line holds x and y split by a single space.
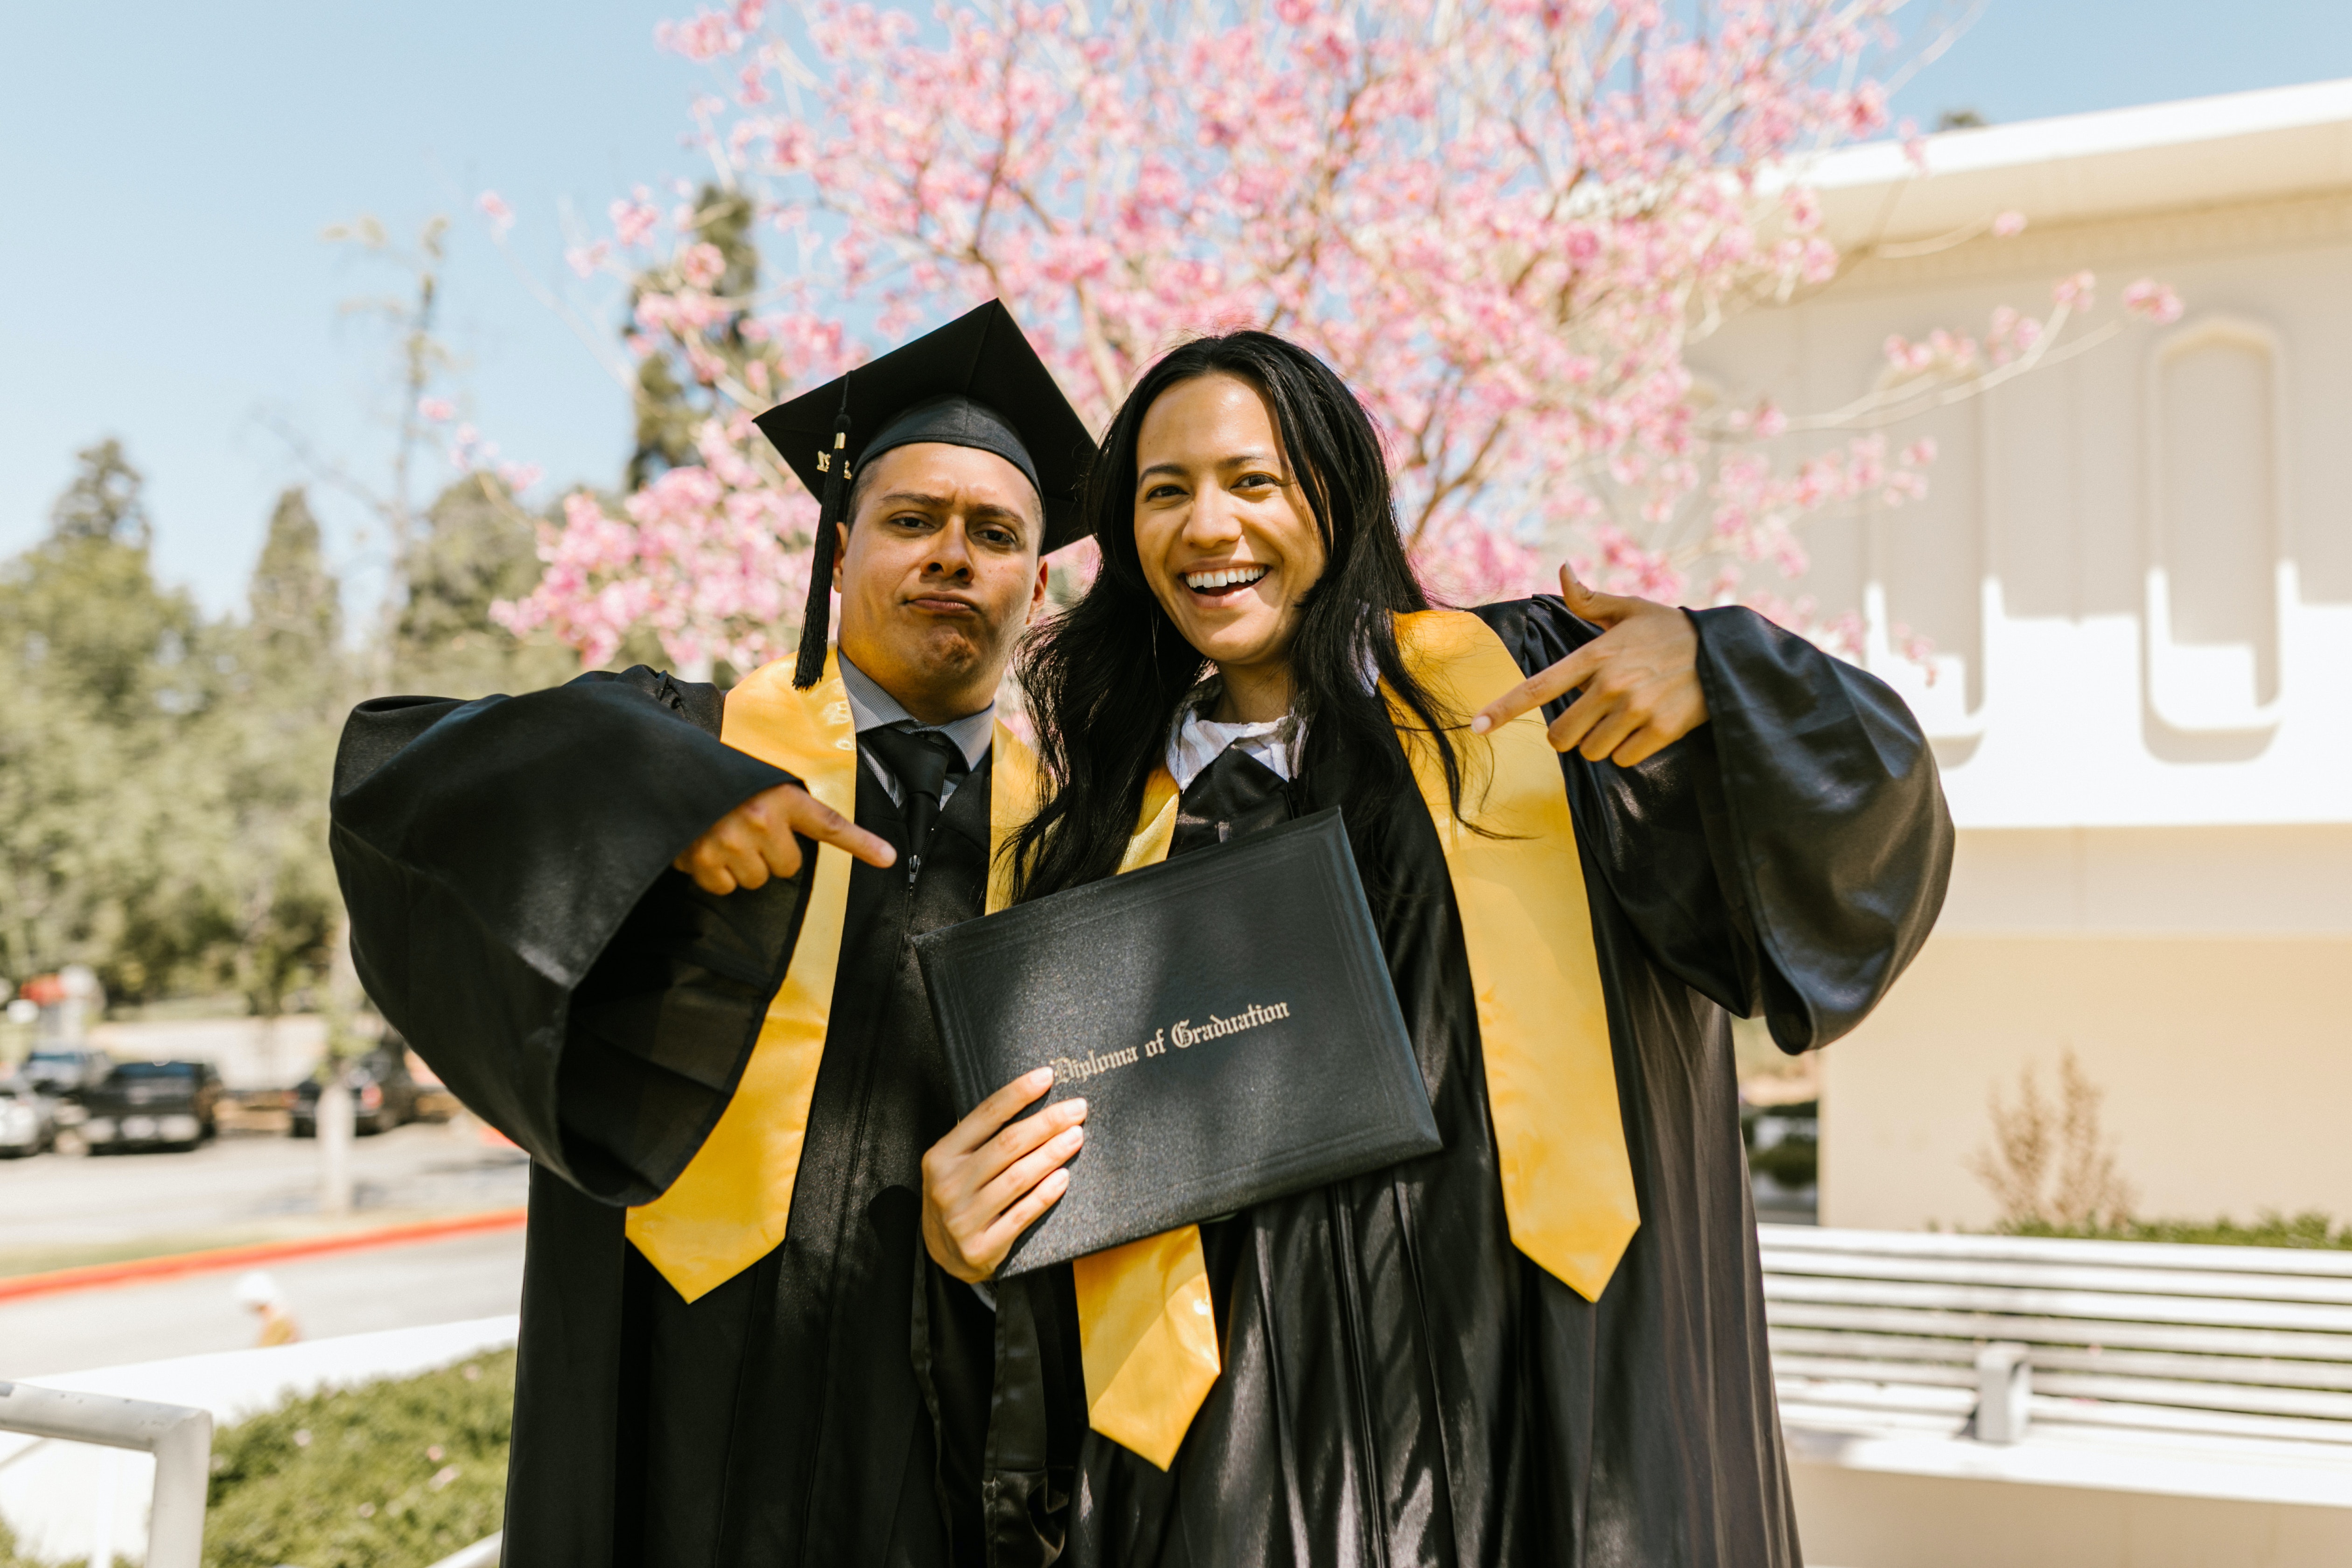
1793 1161
390 1474
2311 1229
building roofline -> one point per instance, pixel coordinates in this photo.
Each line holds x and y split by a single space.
2195 153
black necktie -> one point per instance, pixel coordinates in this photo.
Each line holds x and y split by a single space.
1233 797
922 761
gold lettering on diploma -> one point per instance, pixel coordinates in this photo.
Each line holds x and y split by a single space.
1184 1034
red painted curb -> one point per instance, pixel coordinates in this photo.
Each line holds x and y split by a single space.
133 1270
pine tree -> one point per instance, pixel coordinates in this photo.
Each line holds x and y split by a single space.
295 614
103 826
667 411
104 502
476 548
272 754
83 607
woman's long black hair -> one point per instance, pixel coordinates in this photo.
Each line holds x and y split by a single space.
1104 680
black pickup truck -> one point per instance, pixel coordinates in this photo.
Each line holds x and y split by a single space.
384 1092
153 1104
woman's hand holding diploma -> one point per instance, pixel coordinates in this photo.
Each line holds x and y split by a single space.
985 1181
1638 680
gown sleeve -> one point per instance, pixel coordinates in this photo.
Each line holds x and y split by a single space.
505 863
1787 857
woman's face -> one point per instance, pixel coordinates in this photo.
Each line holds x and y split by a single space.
1222 524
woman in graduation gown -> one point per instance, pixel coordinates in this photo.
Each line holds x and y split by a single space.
1757 827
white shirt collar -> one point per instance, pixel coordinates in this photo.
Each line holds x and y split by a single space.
871 708
1195 741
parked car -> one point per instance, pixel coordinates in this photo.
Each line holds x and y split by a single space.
29 1121
172 1104
384 1093
64 1071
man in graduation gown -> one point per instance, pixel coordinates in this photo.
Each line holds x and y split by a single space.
658 934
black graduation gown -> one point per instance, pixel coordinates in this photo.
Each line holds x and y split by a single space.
1400 1385
505 867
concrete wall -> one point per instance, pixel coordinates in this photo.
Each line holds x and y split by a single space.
2201 976
1861 1519
2136 567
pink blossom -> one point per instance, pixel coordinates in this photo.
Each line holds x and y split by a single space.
634 221
702 38
2008 225
585 260
1463 209
2152 301
494 207
2075 293
702 266
436 409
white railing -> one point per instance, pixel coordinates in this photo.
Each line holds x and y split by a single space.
180 1438
2218 1372
483 1554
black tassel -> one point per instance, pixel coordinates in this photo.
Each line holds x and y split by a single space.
817 617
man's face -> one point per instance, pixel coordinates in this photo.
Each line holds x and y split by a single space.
938 575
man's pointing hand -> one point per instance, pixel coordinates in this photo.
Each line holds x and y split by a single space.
760 838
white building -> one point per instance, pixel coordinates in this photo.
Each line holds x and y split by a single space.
2136 566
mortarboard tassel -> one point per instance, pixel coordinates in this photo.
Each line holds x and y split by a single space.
815 619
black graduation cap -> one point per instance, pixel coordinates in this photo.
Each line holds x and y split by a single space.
974 382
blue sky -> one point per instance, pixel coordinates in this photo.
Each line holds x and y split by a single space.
165 171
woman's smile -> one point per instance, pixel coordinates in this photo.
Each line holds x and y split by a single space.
1218 582
1224 534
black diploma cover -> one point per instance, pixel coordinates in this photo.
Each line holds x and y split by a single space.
1227 1016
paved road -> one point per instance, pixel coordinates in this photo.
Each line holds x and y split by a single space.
406 1286
63 1209
237 1188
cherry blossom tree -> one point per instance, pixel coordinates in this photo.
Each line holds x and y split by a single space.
1504 223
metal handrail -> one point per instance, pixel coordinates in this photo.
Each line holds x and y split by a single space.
483 1554
179 1437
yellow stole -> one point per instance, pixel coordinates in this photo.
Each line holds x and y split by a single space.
729 1209
1145 1326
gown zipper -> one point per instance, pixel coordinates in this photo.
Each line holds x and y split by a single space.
1343 1268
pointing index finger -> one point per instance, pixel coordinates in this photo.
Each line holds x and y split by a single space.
1536 690
826 826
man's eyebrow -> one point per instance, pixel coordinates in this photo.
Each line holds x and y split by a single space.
910 498
979 509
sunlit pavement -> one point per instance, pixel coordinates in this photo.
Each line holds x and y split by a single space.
62 1209
409 1285
54 1207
